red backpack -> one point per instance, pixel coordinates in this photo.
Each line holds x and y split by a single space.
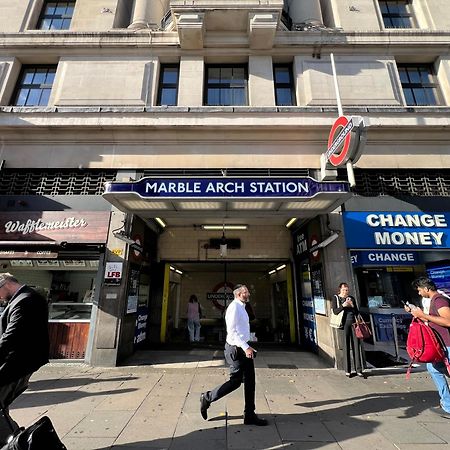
425 345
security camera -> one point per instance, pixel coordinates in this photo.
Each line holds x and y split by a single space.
122 237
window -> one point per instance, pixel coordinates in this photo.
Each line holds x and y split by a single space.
396 14
56 15
34 86
419 85
168 85
226 85
284 85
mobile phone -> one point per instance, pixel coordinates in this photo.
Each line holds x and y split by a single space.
254 353
407 304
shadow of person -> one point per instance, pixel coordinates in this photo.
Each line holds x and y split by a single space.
326 423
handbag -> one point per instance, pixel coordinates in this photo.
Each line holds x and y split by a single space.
361 329
336 320
38 436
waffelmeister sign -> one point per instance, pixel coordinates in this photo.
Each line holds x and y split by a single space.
48 226
227 187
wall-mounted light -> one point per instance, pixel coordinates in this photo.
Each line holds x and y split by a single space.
224 227
272 272
280 267
174 269
179 271
161 222
291 222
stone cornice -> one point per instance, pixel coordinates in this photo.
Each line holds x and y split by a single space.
140 39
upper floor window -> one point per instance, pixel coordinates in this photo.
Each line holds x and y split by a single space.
226 85
168 85
396 14
419 84
56 15
284 85
34 86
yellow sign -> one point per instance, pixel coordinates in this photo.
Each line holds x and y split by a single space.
117 251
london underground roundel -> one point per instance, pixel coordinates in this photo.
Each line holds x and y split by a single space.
344 140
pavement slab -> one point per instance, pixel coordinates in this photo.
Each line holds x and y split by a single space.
153 403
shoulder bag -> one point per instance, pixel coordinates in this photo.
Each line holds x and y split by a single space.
336 320
362 330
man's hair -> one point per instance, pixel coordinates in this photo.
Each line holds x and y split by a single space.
424 282
5 277
238 288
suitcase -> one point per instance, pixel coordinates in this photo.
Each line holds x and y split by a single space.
38 436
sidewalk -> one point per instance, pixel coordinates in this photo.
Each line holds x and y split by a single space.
308 405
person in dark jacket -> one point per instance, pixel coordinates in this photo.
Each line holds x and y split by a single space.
352 345
24 342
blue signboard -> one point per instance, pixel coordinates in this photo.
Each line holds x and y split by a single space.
441 276
227 187
384 258
383 326
309 324
397 230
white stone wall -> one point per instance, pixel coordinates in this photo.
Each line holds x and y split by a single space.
13 15
103 81
362 81
94 15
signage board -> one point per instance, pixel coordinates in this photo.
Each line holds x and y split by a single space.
72 227
397 230
34 254
113 272
344 140
227 187
384 258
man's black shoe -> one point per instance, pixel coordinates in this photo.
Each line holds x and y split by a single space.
441 412
204 405
254 420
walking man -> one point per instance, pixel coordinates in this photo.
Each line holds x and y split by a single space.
439 319
239 355
24 342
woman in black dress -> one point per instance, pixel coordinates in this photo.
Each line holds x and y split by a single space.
352 345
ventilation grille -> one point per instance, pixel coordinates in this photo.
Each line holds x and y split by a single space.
417 183
83 182
227 172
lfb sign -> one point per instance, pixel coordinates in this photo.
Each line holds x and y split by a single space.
113 272
344 140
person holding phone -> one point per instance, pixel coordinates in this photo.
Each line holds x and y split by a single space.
239 355
352 345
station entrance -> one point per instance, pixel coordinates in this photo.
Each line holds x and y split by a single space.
212 283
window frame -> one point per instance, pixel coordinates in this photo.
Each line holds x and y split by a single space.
220 86
434 85
42 86
391 16
290 85
162 85
43 16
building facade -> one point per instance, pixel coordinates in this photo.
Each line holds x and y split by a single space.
156 149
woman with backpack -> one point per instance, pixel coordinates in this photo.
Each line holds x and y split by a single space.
352 345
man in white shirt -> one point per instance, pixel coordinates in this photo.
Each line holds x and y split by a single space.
239 355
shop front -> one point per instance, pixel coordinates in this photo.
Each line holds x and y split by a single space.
388 251
60 254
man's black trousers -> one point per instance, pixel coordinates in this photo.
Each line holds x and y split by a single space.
242 370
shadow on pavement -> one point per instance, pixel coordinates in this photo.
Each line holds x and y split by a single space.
63 383
328 423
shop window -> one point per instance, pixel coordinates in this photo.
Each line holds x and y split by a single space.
56 15
226 85
420 85
386 287
168 85
34 86
396 14
284 85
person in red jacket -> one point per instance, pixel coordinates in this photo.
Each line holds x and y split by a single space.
24 343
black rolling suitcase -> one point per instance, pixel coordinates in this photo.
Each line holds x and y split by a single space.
39 436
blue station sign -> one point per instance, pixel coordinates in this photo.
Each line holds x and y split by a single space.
226 187
397 230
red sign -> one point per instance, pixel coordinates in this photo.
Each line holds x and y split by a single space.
72 227
344 140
